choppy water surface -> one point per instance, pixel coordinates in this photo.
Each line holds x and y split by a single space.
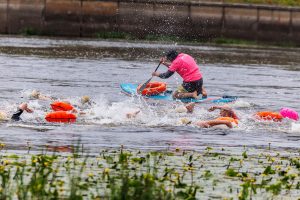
69 69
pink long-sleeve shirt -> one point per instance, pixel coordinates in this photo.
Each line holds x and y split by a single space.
186 67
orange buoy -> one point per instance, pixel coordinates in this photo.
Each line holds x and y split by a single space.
61 106
229 119
269 115
61 117
153 88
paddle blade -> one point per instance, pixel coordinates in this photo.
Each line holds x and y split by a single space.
143 86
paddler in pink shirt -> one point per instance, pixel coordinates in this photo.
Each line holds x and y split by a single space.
187 68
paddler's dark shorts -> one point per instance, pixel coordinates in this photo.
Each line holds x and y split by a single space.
191 87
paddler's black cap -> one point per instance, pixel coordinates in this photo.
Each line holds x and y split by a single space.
171 54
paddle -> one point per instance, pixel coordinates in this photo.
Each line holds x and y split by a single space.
146 83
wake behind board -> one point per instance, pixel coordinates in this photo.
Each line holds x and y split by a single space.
130 89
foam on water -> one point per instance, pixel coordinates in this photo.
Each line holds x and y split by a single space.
295 128
105 121
106 113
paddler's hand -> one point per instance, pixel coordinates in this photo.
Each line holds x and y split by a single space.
155 74
163 60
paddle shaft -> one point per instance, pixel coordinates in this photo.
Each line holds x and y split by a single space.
146 83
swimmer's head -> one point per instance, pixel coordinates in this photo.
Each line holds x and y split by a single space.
226 112
181 109
3 116
185 121
85 99
35 94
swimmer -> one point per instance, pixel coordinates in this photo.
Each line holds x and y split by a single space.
132 115
225 111
227 117
85 100
17 115
35 94
85 103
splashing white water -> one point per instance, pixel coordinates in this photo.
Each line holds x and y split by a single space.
240 104
295 128
105 113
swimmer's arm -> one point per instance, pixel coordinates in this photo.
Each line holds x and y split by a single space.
218 107
224 108
21 108
132 114
211 123
17 115
219 122
45 98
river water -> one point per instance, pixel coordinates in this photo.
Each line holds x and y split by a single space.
263 78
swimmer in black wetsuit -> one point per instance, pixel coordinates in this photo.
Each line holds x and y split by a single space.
21 108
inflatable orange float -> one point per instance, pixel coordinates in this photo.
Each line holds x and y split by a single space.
229 119
61 117
269 115
61 106
153 88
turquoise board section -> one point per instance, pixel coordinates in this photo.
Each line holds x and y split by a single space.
130 89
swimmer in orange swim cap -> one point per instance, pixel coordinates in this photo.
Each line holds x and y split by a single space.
227 117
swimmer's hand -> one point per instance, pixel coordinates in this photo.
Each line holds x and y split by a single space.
29 110
133 114
212 108
74 111
24 106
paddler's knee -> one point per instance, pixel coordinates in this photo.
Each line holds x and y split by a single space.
204 93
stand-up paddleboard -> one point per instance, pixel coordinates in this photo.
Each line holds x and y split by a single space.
130 89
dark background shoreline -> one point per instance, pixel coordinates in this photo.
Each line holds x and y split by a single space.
147 19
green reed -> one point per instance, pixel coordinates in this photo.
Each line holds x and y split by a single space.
132 174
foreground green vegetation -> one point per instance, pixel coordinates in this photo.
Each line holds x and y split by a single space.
269 2
133 174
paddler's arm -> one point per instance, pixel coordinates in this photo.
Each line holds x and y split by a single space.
165 75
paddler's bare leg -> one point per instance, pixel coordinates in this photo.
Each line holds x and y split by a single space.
182 95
